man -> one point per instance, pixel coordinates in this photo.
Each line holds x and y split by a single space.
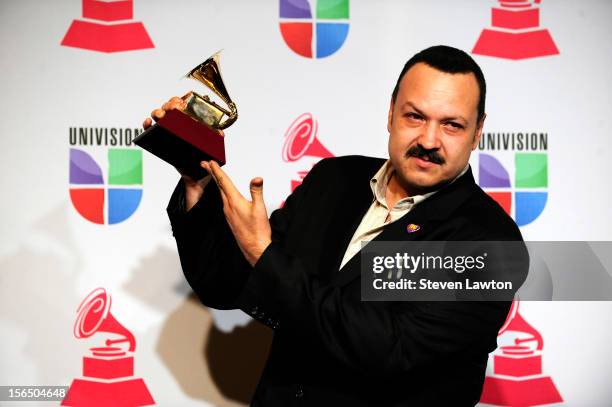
299 272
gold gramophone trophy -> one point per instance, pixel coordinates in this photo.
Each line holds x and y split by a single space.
185 137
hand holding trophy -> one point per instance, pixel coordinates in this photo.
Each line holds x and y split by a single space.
186 136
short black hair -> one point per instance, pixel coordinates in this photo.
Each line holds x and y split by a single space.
450 60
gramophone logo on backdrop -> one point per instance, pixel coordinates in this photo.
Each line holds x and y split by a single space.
515 32
113 195
301 141
314 37
108 371
524 195
518 378
107 26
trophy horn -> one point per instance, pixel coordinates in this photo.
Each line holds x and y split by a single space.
209 74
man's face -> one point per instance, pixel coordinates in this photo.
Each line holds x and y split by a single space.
433 127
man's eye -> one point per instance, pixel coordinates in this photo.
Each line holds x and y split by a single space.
455 125
413 116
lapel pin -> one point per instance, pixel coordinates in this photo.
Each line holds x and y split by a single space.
411 228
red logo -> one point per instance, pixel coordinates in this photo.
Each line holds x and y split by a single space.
301 140
107 27
108 373
515 32
517 369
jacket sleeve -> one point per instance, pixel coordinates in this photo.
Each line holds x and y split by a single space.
211 260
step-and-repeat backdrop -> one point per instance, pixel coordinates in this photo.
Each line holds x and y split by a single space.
83 209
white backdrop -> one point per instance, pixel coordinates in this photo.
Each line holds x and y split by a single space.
51 257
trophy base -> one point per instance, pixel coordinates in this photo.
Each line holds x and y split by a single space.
519 45
183 142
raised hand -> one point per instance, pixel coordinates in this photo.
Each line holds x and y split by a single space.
248 220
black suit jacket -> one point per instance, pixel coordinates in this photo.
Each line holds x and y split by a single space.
329 347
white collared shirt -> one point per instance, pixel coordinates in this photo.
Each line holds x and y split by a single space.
379 215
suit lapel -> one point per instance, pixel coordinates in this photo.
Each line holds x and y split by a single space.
425 215
354 201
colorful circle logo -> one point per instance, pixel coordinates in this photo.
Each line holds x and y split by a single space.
526 201
111 202
314 37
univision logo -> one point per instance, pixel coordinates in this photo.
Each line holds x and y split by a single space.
112 195
523 195
314 37
106 202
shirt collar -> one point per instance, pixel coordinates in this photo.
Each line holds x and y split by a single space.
380 180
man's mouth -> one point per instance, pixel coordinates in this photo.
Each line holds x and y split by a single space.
424 162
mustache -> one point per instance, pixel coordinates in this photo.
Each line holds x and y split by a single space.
430 155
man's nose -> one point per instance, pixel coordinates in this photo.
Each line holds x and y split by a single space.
429 138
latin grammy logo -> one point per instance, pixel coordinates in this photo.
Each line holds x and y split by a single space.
108 373
517 369
301 140
107 27
515 32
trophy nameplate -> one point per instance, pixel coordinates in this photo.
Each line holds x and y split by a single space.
184 138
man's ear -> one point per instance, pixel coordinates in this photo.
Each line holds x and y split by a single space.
478 133
390 116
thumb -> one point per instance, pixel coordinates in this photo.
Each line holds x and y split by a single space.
256 188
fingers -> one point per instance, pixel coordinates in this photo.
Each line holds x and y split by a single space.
147 123
158 114
174 103
206 166
256 188
228 189
225 184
